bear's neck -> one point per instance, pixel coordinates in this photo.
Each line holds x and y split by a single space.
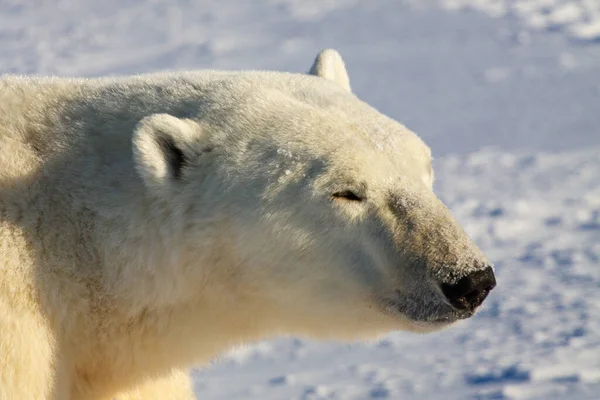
174 300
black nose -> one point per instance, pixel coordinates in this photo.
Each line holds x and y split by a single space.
470 291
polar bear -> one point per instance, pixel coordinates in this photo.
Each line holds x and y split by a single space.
149 223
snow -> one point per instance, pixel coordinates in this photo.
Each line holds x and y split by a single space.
578 19
506 92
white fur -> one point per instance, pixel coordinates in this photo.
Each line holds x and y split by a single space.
149 223
330 65
148 155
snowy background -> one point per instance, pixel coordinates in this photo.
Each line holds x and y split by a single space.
506 92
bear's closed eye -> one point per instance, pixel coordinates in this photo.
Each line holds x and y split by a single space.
347 195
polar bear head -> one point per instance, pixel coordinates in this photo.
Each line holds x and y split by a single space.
307 209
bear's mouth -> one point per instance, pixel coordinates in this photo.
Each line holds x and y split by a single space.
455 316
427 312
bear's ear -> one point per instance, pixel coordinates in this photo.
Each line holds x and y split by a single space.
163 146
329 65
